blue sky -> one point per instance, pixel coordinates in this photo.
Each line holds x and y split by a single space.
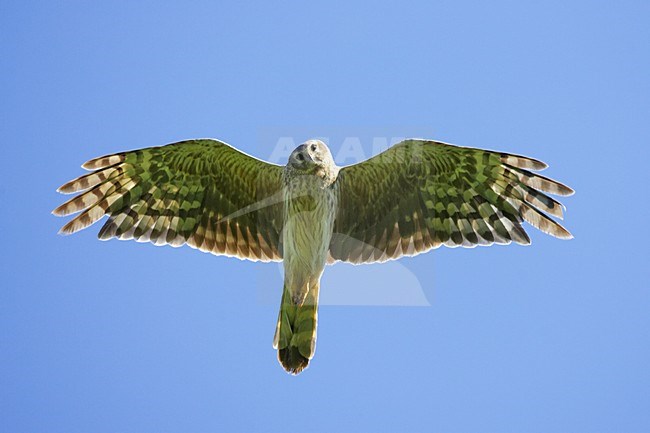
126 337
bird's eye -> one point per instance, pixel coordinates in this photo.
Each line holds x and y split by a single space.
313 148
300 157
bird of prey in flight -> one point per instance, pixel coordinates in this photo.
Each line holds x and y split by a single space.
411 198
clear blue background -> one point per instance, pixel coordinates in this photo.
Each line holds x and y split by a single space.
124 337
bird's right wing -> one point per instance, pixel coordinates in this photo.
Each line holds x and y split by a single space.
421 194
203 193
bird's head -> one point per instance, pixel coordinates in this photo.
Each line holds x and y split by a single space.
312 157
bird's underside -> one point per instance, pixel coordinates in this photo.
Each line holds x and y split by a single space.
413 197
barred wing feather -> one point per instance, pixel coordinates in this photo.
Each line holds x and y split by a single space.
421 194
203 193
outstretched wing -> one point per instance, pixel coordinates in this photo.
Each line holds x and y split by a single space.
203 193
421 194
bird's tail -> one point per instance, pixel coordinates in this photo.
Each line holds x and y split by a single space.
295 334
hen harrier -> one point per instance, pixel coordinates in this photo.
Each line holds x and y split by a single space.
413 197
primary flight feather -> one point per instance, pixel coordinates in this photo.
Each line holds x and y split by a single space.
413 197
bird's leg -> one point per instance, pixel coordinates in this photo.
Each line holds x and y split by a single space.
299 288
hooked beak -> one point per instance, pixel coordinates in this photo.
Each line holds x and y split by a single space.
313 157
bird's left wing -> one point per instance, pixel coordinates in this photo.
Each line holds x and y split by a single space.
203 193
421 194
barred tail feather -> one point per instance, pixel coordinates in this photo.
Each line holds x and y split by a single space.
295 334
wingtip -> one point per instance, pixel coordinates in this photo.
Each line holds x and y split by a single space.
103 161
64 189
62 210
525 162
58 211
562 233
536 164
561 189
